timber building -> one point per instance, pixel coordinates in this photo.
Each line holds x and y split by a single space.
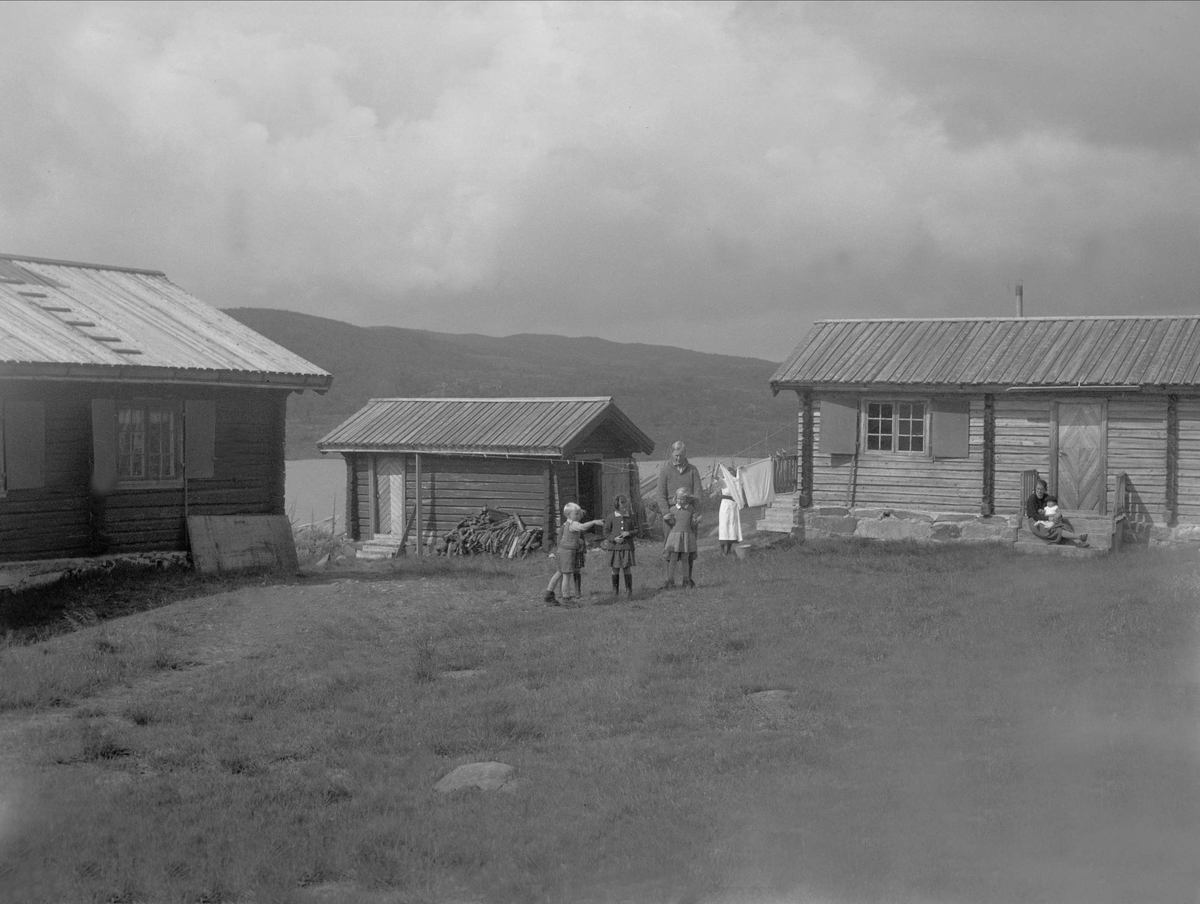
433 462
934 428
127 404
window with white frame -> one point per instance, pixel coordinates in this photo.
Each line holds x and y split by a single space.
895 426
149 443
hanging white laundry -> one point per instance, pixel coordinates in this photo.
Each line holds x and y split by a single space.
758 482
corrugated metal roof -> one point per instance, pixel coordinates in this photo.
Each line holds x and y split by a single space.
92 321
1080 352
531 427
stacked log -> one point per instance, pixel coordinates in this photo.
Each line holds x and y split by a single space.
494 532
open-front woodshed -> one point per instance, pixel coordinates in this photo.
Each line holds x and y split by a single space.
415 468
934 428
126 405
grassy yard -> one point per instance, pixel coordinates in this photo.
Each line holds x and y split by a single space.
944 725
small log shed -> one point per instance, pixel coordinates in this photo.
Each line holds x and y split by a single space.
954 415
433 462
126 405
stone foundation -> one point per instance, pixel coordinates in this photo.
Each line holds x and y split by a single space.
18 576
822 522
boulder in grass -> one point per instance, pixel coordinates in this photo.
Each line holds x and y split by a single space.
484 776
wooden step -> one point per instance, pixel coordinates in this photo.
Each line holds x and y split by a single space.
381 547
1099 529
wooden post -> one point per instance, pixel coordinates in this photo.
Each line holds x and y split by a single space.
417 499
352 531
1171 506
547 507
988 503
807 446
372 496
1053 476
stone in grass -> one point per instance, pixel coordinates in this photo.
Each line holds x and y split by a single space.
484 776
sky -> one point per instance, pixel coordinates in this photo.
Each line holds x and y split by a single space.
713 176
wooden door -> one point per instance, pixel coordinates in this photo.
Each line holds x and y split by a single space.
614 479
1081 456
391 494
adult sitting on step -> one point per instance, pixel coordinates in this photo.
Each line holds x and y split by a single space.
1045 520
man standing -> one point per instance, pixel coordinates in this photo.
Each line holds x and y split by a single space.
677 472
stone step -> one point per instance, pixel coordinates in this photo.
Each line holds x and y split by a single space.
780 525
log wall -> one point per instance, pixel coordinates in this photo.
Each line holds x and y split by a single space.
1022 444
888 480
63 519
1137 445
454 488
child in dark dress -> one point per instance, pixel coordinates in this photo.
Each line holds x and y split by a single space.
683 520
618 541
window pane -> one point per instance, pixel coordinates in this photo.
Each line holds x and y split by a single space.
146 443
879 426
910 427
131 442
161 442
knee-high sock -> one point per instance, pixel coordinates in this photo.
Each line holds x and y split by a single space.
628 580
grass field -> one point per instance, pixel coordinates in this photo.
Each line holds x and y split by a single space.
832 723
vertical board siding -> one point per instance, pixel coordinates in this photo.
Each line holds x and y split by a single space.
1137 445
53 521
1189 461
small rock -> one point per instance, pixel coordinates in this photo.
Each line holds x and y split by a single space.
322 562
340 560
461 673
484 776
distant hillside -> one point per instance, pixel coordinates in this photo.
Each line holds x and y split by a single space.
718 404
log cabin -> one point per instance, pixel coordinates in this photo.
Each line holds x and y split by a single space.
936 428
436 461
126 405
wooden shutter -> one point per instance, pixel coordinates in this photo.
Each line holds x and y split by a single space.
200 432
951 428
25 445
104 446
839 428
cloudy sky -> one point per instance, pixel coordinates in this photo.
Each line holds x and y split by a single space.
713 176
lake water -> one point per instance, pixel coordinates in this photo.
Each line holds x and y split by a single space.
316 491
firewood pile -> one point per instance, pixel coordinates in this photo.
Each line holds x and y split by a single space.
491 531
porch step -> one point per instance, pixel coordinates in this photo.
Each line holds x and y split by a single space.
1099 530
778 516
381 546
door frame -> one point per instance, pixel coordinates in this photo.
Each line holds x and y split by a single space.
1103 465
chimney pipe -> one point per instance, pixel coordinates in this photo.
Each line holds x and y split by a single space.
1020 300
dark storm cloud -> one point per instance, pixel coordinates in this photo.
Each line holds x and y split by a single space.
713 176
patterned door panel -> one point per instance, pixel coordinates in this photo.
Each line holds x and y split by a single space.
1080 453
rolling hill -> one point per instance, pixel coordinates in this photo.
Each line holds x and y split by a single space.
717 404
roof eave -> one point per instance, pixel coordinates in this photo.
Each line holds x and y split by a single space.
104 373
385 449
973 388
